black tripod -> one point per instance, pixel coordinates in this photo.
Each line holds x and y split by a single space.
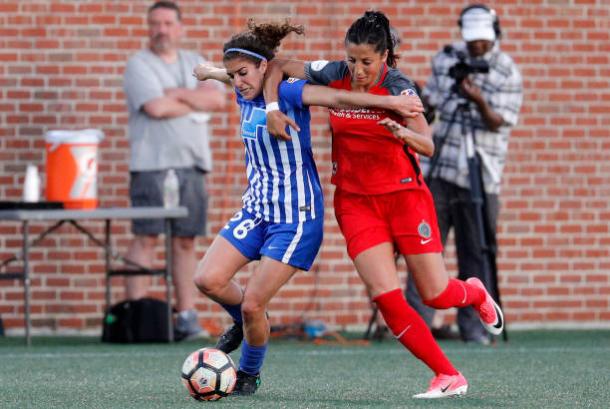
488 270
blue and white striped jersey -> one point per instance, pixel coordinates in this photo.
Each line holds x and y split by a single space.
283 182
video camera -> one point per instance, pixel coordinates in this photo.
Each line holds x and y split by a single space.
462 68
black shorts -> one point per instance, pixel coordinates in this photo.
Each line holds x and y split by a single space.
146 189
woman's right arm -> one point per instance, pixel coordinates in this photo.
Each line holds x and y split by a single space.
408 106
276 70
208 72
291 68
277 121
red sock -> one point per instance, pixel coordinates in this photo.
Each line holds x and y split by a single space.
411 331
457 294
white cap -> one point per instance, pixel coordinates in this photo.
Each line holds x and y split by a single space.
478 24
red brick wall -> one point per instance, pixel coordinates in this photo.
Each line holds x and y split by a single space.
60 68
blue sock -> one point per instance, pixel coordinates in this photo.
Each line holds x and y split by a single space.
234 311
252 357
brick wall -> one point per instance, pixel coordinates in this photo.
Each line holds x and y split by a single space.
60 68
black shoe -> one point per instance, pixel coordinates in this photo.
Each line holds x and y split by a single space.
231 339
483 340
246 384
445 332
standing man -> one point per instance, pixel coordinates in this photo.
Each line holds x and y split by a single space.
168 130
476 90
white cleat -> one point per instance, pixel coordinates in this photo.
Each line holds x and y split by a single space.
489 312
445 386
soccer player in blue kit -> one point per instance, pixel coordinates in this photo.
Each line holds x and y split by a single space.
281 221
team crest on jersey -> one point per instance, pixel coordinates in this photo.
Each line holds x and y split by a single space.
318 65
424 229
254 124
409 92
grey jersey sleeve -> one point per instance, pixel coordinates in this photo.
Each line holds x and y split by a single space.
323 72
398 83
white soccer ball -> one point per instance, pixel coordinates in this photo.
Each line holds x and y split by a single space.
209 374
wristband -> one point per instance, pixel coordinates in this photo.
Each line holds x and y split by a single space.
272 106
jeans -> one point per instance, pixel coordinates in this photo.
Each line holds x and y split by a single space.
454 210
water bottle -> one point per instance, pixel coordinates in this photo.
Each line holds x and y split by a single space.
171 190
31 184
314 328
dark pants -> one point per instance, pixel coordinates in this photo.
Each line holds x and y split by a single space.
146 189
454 210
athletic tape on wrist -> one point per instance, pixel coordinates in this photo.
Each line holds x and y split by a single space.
272 106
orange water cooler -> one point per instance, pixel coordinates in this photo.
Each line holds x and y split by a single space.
71 167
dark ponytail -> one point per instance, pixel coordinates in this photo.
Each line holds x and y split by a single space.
373 28
262 39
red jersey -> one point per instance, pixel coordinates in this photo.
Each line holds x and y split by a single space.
367 158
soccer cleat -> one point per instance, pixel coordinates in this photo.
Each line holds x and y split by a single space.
445 386
489 312
231 339
246 384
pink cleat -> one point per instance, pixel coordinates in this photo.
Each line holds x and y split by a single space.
445 386
489 312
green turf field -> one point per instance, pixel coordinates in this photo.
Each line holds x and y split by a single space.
542 369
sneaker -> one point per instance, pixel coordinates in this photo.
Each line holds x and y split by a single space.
445 332
445 386
231 339
480 340
246 384
187 326
489 312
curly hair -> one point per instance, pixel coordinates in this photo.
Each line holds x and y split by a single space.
262 39
373 28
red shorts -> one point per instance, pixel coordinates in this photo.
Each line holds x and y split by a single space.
405 218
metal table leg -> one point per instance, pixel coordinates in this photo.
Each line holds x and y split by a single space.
169 277
26 281
107 256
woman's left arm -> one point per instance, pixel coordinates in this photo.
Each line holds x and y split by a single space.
417 134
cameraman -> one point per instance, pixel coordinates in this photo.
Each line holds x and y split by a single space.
475 89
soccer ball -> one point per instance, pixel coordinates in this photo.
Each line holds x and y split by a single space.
209 374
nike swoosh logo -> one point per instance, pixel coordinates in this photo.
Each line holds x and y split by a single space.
403 332
422 241
446 387
498 324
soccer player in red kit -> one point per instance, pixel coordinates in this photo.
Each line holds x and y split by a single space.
381 202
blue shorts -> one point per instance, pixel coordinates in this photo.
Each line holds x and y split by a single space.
295 244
